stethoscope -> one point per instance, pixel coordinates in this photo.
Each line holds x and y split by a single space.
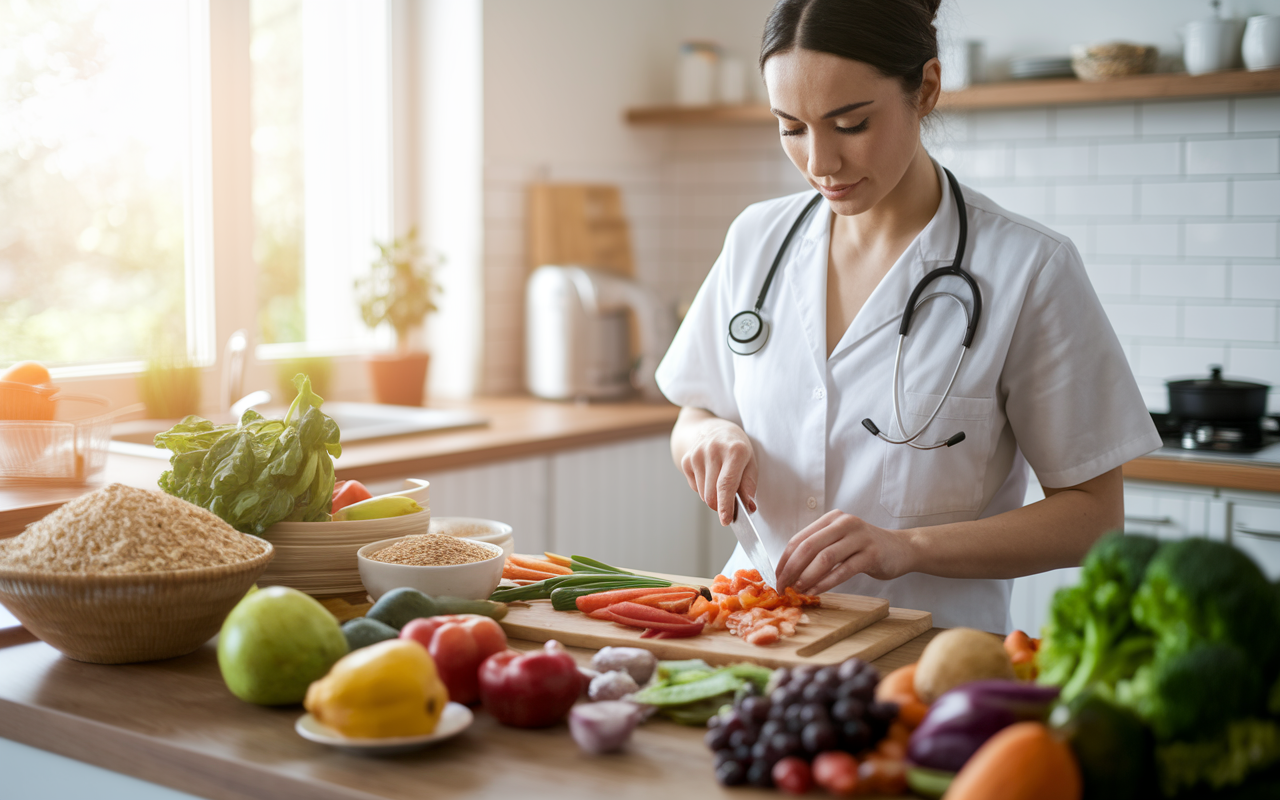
748 331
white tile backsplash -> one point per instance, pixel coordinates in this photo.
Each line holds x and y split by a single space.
1198 199
1093 199
1255 197
1182 280
1257 114
1175 207
1136 239
1239 323
1232 239
1140 158
1205 116
1093 121
1255 281
1233 156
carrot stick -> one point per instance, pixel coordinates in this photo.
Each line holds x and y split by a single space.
529 562
558 559
593 602
512 571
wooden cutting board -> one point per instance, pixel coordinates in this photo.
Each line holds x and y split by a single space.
844 626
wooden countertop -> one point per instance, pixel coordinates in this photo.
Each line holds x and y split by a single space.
521 427
174 723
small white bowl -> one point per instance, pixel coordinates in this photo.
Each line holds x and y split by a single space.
474 581
480 530
455 719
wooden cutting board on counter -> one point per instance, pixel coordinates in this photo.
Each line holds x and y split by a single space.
843 627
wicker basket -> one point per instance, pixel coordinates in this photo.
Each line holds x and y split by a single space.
1103 62
129 617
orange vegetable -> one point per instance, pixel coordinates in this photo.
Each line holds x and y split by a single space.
1022 653
912 712
675 602
898 686
594 602
510 570
529 562
29 372
1025 761
558 559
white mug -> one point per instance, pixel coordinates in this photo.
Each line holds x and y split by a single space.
1261 48
1211 45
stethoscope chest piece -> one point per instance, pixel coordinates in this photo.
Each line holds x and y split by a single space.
747 333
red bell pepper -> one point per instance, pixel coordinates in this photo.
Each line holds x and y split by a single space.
459 644
530 690
346 493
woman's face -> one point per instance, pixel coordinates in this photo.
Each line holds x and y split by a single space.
847 128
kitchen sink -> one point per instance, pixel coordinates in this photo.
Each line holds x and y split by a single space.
358 422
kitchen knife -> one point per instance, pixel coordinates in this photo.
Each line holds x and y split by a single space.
745 530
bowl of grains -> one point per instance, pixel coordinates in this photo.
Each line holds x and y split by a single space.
121 575
433 564
476 529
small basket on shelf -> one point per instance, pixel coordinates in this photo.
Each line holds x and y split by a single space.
53 437
1101 62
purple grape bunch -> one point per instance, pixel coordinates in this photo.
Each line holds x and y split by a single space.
808 710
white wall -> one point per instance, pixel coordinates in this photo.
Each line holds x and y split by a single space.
1179 251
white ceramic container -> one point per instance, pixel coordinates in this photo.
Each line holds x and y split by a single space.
1211 45
474 581
1261 46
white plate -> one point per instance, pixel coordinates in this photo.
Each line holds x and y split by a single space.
455 719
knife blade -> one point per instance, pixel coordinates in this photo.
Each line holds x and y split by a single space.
745 531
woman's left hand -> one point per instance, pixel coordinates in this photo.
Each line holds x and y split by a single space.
838 546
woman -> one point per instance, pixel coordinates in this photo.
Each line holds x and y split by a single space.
1044 382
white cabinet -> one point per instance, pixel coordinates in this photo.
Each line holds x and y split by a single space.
623 503
1253 525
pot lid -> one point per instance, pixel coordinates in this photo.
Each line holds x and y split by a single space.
1216 381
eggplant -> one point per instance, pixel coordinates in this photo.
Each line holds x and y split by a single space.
963 719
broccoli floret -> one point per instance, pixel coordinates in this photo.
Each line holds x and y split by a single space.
1193 695
1091 636
1246 747
1199 590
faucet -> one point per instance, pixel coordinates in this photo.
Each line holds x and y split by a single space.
233 364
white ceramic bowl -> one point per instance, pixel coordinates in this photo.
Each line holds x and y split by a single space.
480 530
474 581
455 719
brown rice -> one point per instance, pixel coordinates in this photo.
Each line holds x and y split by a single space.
432 550
119 529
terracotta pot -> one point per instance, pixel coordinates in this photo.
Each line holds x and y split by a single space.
399 378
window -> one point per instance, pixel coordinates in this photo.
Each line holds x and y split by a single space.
107 240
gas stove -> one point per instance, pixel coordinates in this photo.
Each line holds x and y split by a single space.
1216 436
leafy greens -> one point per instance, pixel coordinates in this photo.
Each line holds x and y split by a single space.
259 471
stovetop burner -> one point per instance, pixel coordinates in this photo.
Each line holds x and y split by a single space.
1224 437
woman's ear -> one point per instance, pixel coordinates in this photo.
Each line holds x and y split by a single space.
930 87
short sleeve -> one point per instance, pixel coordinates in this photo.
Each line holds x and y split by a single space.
698 367
1070 395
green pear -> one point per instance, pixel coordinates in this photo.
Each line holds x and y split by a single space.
274 643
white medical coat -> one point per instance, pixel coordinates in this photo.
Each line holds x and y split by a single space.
1045 383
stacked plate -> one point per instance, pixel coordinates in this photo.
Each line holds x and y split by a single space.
319 558
1034 67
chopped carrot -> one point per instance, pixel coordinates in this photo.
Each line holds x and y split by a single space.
700 606
529 562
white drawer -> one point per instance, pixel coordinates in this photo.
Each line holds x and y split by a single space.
1166 513
1255 529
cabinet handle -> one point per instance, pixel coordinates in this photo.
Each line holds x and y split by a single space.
1150 520
1258 533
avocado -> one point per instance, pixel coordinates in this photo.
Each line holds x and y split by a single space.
400 606
362 632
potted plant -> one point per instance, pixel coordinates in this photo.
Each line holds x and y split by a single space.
400 290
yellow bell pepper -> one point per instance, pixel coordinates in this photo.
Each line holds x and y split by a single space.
387 689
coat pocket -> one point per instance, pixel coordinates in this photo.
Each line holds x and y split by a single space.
918 483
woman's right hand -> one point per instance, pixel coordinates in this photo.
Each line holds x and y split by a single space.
718 461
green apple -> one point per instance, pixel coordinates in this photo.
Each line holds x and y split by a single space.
274 643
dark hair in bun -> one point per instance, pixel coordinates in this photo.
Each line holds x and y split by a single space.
897 37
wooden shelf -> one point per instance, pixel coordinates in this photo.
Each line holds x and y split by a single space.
1011 94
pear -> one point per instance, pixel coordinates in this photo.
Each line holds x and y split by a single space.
274 643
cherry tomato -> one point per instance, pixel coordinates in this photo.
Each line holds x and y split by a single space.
792 775
347 492
836 771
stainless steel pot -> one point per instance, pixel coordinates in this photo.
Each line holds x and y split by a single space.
1216 399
